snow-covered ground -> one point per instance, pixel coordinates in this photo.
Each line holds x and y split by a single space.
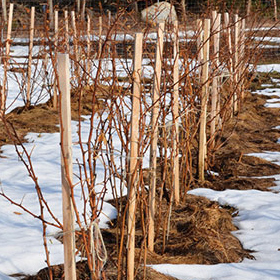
268 68
21 235
259 228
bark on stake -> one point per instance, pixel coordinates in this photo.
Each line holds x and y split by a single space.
29 72
154 136
134 157
6 60
66 168
204 98
175 108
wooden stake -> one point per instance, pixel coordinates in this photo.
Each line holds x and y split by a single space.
88 46
236 61
29 72
45 65
55 57
230 62
275 9
219 79
75 41
249 5
204 98
154 136
183 6
109 43
4 9
50 3
78 6
66 168
199 45
74 35
83 9
242 55
56 27
100 37
133 164
66 32
6 60
175 110
216 26
9 29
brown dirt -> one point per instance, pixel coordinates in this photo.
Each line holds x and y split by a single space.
83 273
200 233
43 118
200 230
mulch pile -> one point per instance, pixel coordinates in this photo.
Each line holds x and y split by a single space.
252 131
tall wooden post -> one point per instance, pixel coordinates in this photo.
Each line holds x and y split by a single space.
236 61
199 45
78 6
88 47
275 10
242 55
219 119
50 4
29 72
75 39
9 29
133 159
249 6
100 37
175 113
55 57
109 43
230 60
6 60
83 9
76 48
66 32
66 168
4 10
204 98
56 27
216 30
154 136
184 14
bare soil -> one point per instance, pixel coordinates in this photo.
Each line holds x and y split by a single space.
200 230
